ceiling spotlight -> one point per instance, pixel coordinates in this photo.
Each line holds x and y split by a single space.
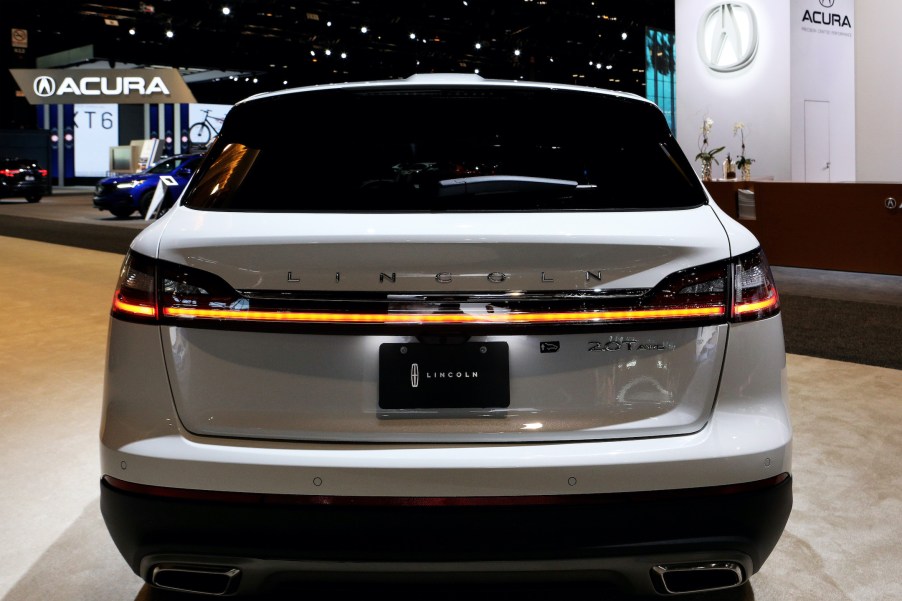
623 35
169 33
226 10
328 23
364 29
313 53
344 55
285 83
131 31
516 53
328 52
598 65
255 80
478 45
609 67
413 36
476 71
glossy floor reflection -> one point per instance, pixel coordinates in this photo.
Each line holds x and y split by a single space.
841 542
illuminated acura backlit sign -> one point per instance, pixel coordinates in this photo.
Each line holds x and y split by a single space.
728 37
120 86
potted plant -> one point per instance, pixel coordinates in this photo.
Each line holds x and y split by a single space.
707 155
743 163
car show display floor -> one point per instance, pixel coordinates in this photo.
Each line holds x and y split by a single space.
841 543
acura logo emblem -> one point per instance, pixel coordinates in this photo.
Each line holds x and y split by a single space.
728 37
44 86
827 3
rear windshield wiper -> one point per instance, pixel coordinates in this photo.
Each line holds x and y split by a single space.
495 184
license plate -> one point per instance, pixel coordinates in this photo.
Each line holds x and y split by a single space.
472 375
29 178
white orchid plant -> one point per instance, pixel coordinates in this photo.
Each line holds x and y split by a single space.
741 160
705 154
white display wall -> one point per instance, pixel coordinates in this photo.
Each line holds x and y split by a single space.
757 95
878 84
795 94
96 130
823 90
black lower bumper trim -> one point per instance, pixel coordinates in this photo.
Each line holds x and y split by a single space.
747 520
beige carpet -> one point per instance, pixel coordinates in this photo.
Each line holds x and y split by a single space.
843 541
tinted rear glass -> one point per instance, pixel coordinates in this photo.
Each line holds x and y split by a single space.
444 149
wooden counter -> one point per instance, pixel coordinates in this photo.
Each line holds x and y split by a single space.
843 227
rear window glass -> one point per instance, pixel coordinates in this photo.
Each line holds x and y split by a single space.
452 149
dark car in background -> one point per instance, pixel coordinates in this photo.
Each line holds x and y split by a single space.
124 194
22 177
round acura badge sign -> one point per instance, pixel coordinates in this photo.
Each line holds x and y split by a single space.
44 86
728 37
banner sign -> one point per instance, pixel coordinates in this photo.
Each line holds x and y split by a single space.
92 86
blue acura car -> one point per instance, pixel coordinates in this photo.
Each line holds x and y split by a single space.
124 194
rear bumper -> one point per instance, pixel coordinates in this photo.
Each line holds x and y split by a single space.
615 537
22 189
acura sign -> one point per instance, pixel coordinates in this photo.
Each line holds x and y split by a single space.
119 86
728 37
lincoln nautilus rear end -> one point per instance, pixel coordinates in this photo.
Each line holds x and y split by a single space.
445 327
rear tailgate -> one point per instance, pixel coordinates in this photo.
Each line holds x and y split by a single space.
533 382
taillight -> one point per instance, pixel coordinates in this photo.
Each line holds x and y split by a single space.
9 172
43 172
135 296
754 292
150 291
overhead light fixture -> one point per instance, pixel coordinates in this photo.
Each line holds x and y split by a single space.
170 33
364 29
226 10
132 31
623 35
478 46
413 36
516 53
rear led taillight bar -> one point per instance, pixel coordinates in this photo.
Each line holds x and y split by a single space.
170 293
439 318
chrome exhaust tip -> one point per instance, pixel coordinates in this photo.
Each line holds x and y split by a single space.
680 579
201 580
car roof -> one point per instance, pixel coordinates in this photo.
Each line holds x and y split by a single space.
445 80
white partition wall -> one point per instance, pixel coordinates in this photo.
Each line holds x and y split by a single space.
756 93
823 90
786 69
878 83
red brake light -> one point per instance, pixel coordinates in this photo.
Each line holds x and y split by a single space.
754 292
135 296
43 172
9 172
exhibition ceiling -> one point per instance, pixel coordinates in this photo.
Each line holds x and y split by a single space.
290 43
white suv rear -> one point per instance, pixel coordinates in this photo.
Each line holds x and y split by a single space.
440 326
